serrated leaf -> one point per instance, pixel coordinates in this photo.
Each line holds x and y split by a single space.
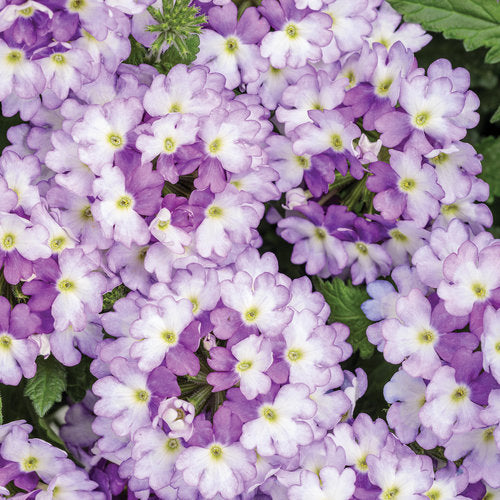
172 56
496 116
345 302
489 147
47 386
476 22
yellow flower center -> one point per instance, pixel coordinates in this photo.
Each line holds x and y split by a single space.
124 202
422 118
231 45
5 341
116 140
169 337
294 355
291 31
14 56
336 143
216 451
269 414
8 242
251 314
65 285
426 336
479 291
459 394
58 58
407 184
169 145
215 212
141 396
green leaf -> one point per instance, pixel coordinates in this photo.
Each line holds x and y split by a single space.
345 302
496 116
79 379
489 147
172 56
476 22
111 297
1 411
47 386
138 53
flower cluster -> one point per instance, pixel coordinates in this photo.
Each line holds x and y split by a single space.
218 376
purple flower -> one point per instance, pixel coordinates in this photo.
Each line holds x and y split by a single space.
161 331
406 187
216 463
260 302
105 131
298 36
17 350
230 47
282 425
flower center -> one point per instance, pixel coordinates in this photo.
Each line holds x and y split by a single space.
30 464
65 285
169 145
14 56
214 212
361 464
399 236
274 71
169 337
243 366
172 445
497 347
291 31
86 213
115 140
450 209
175 108
407 184
320 233
336 142
251 314
422 118
440 159
141 396
426 337
58 58
124 202
57 244
269 414
9 240
231 45
390 493
479 291
294 355
76 4
488 434
459 394
215 146
27 12
303 162
5 341
216 451
163 224
433 494
361 248
180 414
383 87
351 77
